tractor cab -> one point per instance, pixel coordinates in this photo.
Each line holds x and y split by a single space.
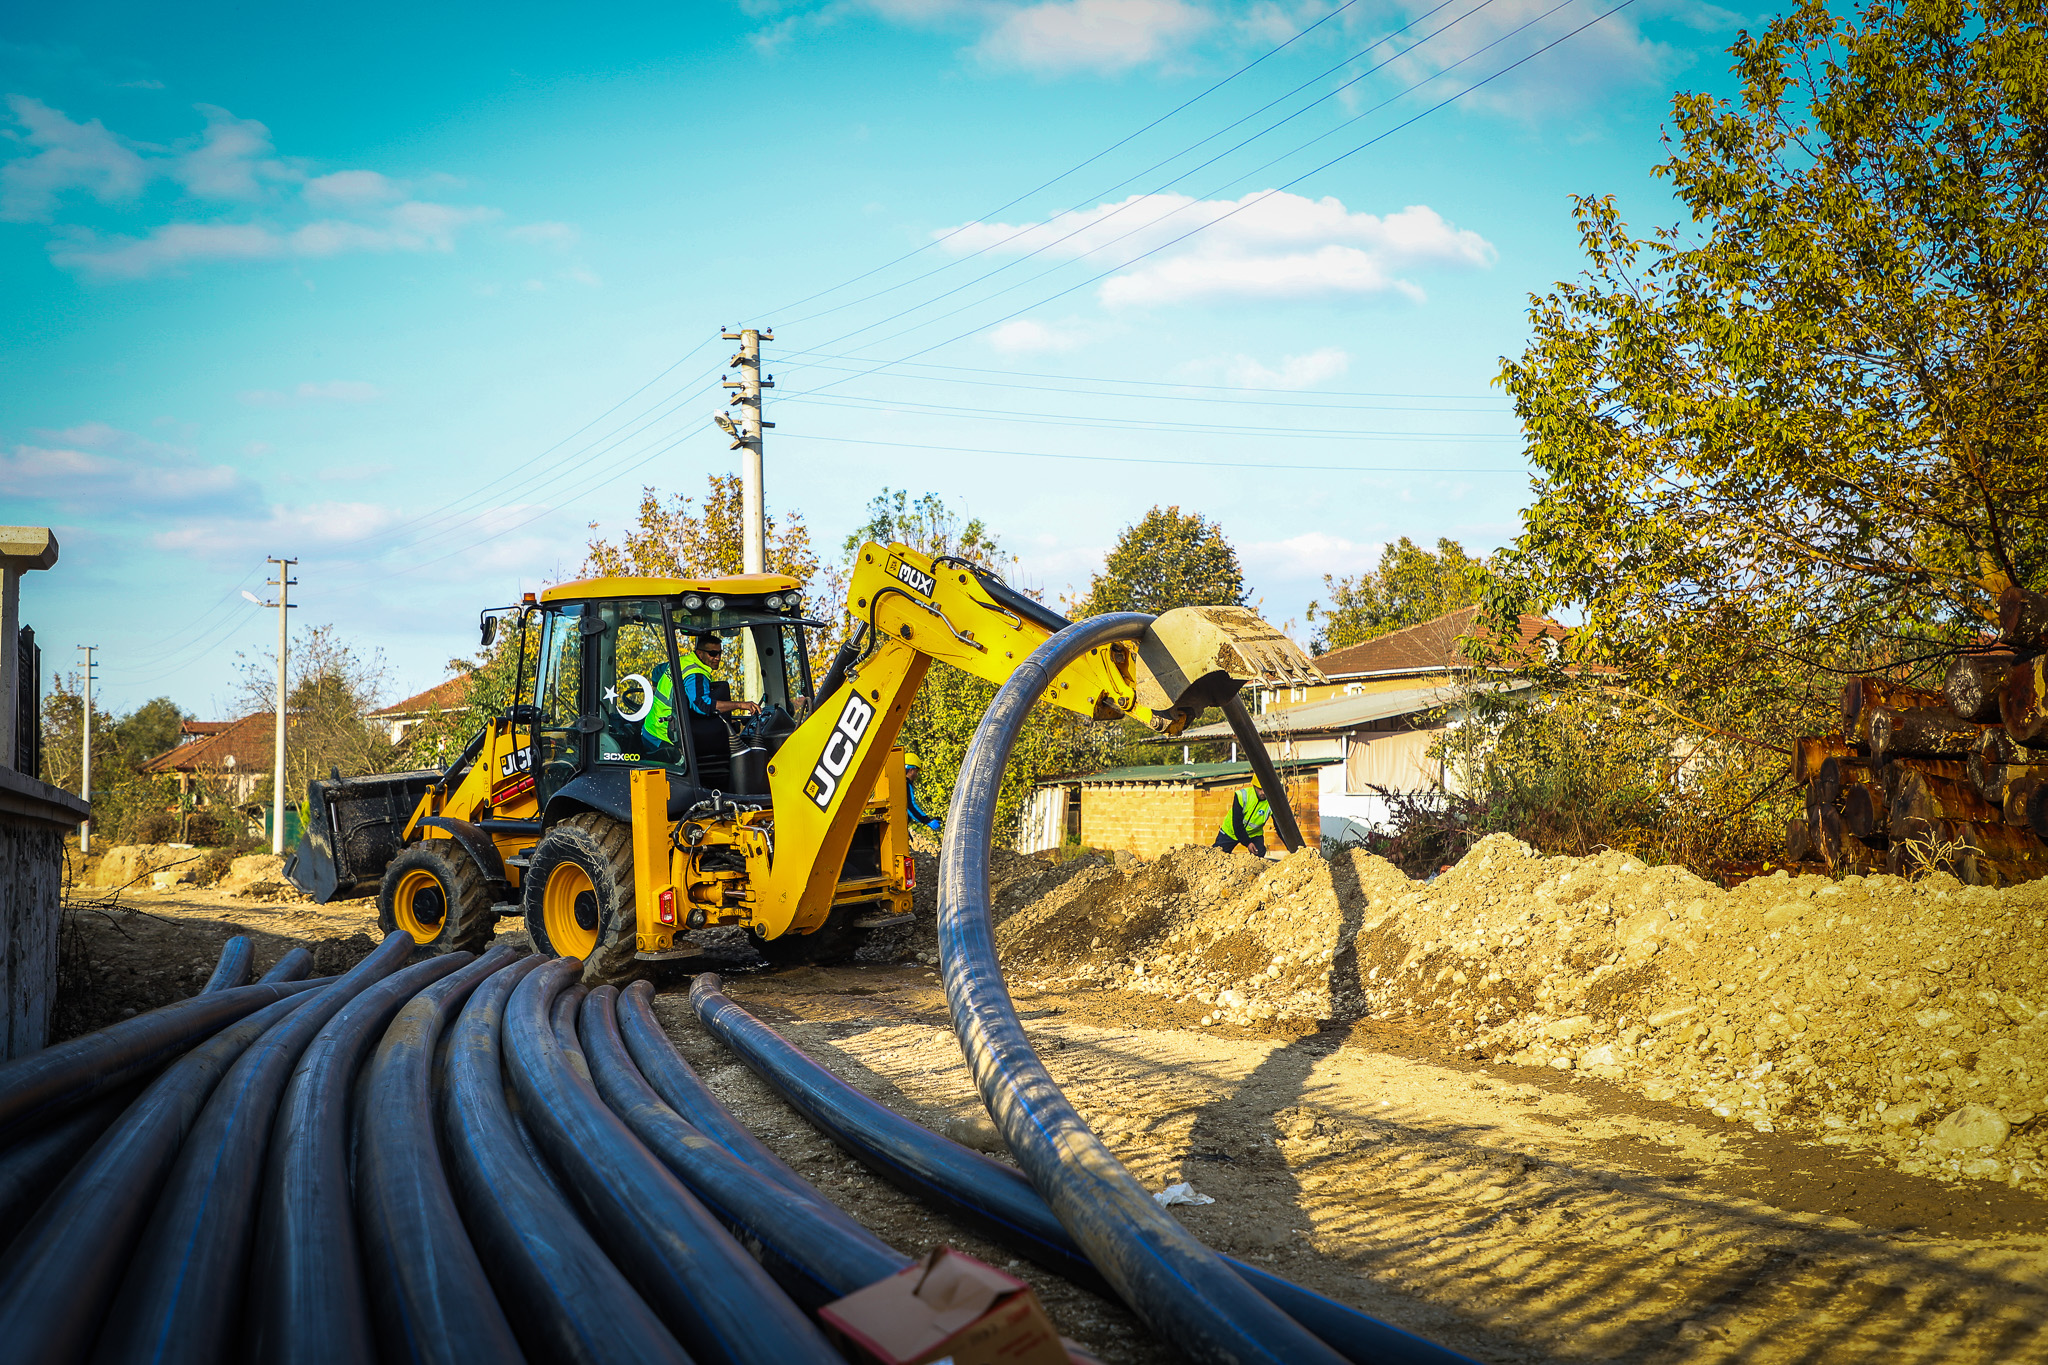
702 678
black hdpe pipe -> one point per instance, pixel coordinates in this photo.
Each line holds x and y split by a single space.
714 1296
1254 746
233 968
566 1300
429 1294
63 1269
39 1087
820 1252
295 965
1184 1291
31 1168
306 1295
982 1191
181 1300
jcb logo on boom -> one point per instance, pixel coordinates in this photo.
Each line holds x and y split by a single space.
916 578
840 748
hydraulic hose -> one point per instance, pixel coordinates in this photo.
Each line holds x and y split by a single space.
1254 746
308 1302
993 1197
821 1252
233 968
432 1302
565 1298
1184 1291
64 1268
715 1297
42 1085
182 1297
295 965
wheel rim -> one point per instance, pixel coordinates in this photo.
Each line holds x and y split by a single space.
569 910
420 904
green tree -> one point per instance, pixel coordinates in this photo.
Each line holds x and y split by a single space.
683 538
1410 585
1167 559
1801 434
332 688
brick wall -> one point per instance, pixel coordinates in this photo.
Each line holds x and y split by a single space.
1149 819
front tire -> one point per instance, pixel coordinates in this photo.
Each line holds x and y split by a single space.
434 891
578 894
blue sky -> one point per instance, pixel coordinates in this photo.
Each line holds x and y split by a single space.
418 294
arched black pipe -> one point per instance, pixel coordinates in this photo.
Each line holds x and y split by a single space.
429 1295
995 1198
714 1296
1183 1290
37 1088
295 965
31 1168
63 1269
233 968
566 1300
306 1297
817 1252
181 1300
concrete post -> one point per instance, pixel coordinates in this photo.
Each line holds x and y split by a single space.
22 548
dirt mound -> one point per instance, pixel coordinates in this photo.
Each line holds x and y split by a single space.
1910 1019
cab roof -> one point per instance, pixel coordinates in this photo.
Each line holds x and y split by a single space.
739 585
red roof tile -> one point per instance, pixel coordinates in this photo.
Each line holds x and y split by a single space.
1431 646
247 741
442 696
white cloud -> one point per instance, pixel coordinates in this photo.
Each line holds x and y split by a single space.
231 162
309 525
96 468
1263 246
544 234
1309 556
66 156
1096 35
1575 75
1296 371
352 189
331 391
1022 336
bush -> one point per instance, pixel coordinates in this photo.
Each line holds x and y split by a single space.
209 827
149 827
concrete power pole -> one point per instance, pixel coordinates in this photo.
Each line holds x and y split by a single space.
746 438
85 779
284 604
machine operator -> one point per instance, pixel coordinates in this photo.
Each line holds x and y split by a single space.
699 668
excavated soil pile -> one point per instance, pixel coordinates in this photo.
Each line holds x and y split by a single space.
1909 1019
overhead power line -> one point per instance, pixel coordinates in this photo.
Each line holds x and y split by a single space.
1234 466
1075 419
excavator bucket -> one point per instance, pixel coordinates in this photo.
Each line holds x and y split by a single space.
1196 657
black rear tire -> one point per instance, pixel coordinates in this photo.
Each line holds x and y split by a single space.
434 891
578 893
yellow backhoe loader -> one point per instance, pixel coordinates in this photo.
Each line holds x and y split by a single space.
616 814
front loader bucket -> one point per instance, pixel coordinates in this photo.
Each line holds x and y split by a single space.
354 828
1195 657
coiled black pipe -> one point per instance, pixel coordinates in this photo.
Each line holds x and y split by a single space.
685 1092
995 1198
714 1296
181 1299
565 1298
293 966
432 1302
39 1087
1182 1289
233 968
63 1269
306 1291
31 1168
821 1252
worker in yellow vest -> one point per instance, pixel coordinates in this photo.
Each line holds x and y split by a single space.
699 669
1246 822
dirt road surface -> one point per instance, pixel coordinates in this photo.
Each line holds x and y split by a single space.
1517 1213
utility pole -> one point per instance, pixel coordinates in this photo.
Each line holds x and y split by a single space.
747 440
85 781
284 604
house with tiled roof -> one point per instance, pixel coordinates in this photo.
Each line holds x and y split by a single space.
220 760
402 718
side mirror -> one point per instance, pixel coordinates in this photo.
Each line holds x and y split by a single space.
490 630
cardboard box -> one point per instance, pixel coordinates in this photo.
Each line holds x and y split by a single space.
949 1307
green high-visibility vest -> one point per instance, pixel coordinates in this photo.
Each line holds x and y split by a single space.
657 725
1248 815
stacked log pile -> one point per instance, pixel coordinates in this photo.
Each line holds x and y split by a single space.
1955 779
